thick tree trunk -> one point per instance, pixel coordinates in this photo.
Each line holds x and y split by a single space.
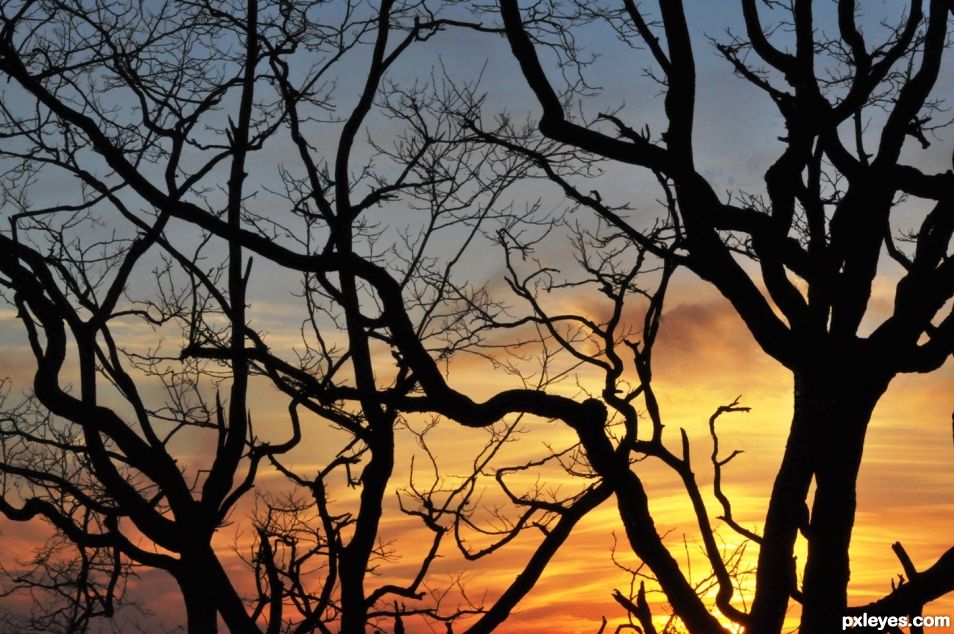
837 461
776 569
354 607
833 406
201 612
208 594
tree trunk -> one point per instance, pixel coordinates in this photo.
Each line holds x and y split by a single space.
201 613
832 408
837 460
208 594
641 531
776 569
356 555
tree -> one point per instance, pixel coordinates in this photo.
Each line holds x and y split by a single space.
817 236
134 284
148 116
158 112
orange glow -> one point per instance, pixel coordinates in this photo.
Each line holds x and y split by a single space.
704 358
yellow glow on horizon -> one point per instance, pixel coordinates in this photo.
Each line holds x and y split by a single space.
704 358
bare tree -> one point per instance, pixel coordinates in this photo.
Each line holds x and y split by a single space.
164 118
827 218
135 285
148 111
73 577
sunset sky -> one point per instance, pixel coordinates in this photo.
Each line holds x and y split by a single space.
704 358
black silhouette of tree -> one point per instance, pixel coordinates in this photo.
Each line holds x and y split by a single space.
212 147
853 107
129 136
132 288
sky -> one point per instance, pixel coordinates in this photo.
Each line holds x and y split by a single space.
704 358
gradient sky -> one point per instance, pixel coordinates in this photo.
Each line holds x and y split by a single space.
704 358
